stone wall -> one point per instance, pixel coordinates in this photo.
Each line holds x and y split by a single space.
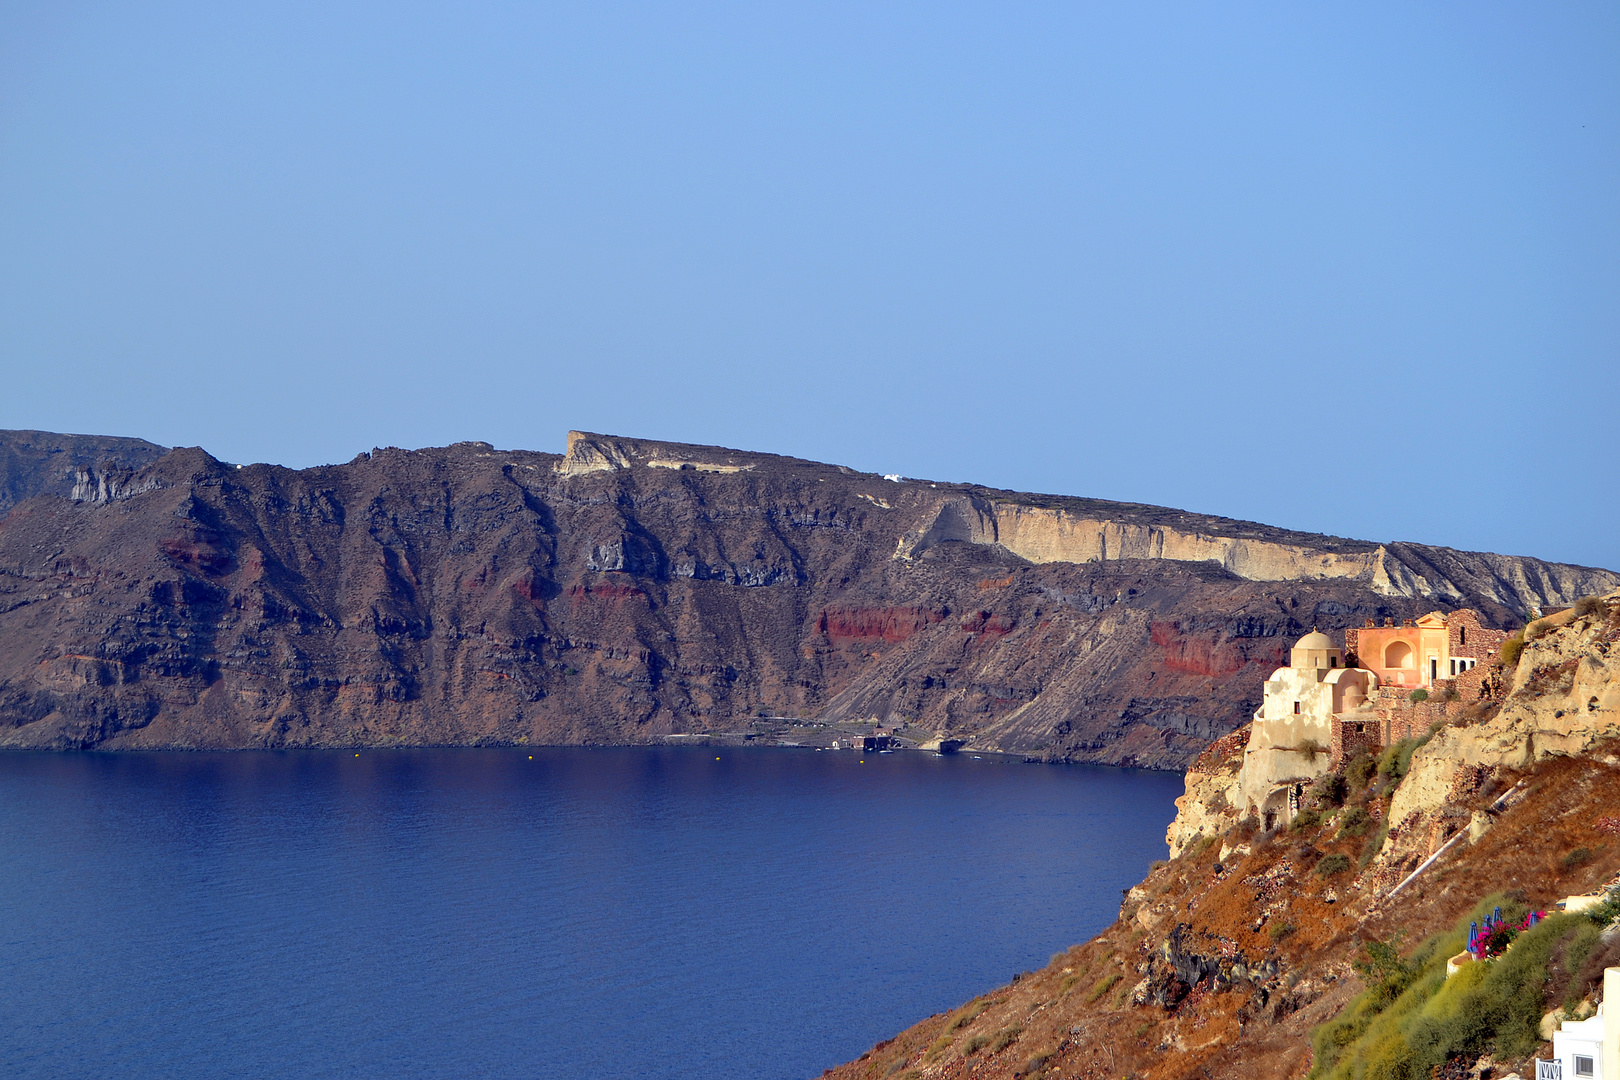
1352 737
1399 717
1470 640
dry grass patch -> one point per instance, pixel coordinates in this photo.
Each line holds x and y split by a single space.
1104 984
1006 1037
967 1015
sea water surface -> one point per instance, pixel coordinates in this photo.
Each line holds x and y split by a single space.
673 912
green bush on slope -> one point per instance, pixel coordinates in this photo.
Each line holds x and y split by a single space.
1396 759
1412 1018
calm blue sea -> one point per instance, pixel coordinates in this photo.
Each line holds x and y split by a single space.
584 913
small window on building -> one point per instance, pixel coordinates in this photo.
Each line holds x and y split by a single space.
1333 661
1462 635
1361 729
1454 667
1583 1065
1296 708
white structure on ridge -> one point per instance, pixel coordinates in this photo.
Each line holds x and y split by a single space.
1292 740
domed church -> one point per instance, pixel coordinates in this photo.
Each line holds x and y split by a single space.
1314 712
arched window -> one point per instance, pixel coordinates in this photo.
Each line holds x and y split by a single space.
1398 655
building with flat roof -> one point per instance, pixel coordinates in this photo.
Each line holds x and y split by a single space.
1420 652
1330 704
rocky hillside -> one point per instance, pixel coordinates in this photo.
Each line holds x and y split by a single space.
630 591
1321 950
72 466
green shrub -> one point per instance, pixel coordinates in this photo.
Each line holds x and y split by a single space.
1605 913
1418 695
1580 947
1412 1018
1380 966
1279 931
1306 819
1355 821
967 1015
1588 606
1005 1037
1332 864
1538 629
1374 844
1579 857
1328 790
1359 773
975 1044
1104 984
1396 759
1512 648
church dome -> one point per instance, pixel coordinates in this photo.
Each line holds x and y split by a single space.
1315 640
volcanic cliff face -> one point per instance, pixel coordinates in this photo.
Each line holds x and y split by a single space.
80 467
631 590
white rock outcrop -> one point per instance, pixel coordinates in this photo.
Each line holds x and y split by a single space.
1564 699
1046 535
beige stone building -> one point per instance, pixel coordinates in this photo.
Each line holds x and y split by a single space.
1293 737
1316 712
1421 652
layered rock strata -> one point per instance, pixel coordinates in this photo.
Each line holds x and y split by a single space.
631 590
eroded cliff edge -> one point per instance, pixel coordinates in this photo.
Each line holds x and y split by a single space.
1244 954
630 590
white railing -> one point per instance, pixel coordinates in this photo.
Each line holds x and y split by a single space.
1549 1070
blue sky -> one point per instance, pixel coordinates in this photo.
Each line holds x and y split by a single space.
1352 269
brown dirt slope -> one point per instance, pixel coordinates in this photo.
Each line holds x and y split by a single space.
1224 959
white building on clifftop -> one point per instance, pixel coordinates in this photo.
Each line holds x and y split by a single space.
1292 740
